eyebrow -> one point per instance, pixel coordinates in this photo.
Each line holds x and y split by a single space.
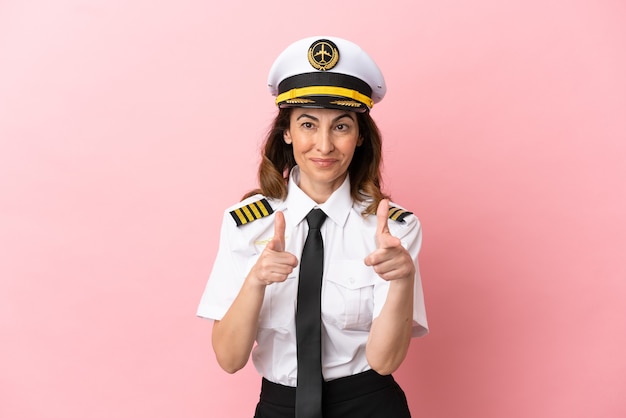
343 115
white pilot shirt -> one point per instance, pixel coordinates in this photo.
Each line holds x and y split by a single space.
352 293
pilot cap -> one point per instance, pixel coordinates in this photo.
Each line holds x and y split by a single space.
327 72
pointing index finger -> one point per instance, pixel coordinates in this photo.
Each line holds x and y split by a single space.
382 217
278 241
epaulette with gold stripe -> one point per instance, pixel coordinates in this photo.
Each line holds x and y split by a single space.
251 212
397 214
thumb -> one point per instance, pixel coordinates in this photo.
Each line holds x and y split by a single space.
382 218
278 241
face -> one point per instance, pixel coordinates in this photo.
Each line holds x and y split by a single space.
323 143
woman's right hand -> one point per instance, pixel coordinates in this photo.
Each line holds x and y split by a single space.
234 336
274 264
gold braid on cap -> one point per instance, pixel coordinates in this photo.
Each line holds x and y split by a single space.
347 103
299 101
325 91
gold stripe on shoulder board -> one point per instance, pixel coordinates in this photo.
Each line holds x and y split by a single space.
252 212
397 214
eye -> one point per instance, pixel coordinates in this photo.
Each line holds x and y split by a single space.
343 127
307 125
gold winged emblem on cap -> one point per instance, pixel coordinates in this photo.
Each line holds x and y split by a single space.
323 55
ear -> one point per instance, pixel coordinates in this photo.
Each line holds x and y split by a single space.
287 137
359 142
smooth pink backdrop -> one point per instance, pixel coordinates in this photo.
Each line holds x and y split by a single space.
126 127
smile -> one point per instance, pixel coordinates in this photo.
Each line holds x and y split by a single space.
323 162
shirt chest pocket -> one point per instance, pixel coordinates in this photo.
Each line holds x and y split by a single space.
348 295
279 305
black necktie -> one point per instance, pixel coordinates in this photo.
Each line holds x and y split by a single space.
308 321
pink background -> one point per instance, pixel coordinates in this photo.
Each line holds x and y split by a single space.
126 127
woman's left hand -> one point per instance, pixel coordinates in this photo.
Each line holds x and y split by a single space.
390 260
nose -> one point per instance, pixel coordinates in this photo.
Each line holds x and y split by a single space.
324 141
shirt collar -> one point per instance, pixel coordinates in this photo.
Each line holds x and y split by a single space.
337 207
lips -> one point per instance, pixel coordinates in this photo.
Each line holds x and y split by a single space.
323 162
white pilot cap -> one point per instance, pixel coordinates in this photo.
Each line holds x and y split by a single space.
325 71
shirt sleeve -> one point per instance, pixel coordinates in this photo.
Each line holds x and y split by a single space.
227 275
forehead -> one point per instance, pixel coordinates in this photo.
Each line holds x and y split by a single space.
320 113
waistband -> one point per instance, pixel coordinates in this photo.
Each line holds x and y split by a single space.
338 390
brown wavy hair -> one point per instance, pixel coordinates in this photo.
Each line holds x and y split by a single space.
277 160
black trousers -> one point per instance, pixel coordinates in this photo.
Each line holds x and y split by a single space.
364 395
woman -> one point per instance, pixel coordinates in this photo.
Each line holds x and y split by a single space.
331 302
